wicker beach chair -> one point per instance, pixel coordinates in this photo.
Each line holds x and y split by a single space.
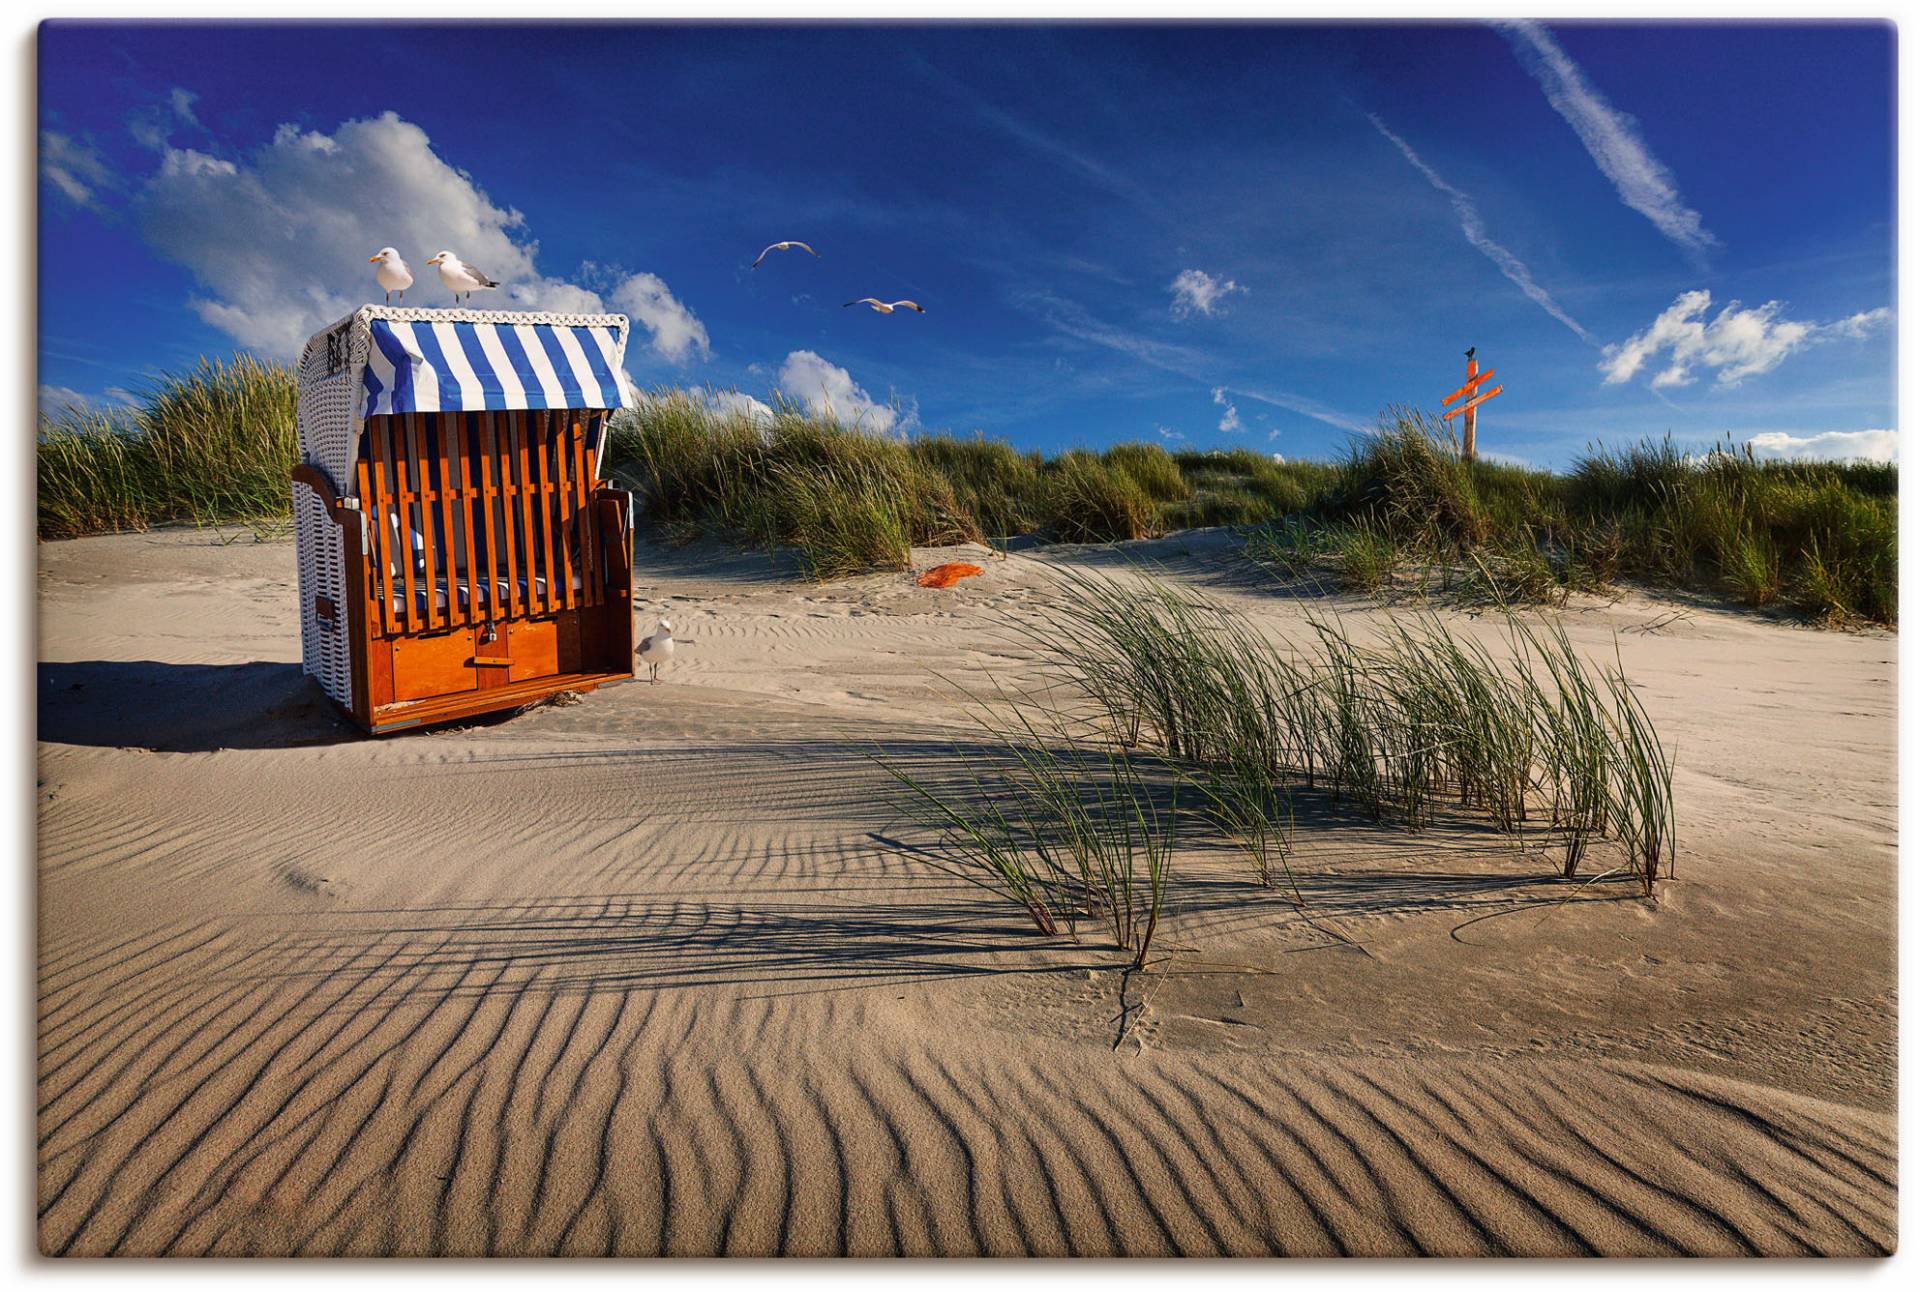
458 551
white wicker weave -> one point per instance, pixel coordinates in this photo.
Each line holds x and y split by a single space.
324 650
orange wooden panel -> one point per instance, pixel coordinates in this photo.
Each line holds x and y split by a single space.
533 649
424 667
1472 381
1473 403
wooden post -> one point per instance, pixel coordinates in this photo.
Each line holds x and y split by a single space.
1475 396
1466 436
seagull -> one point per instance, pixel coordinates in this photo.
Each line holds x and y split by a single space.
885 307
393 274
657 649
784 246
460 278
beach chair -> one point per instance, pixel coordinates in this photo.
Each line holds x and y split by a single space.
458 551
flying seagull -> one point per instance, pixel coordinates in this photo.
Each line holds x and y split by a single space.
392 275
783 246
885 307
459 277
657 649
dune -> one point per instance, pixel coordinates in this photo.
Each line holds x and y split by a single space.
664 971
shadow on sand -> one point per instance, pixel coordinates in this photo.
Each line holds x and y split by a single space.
184 708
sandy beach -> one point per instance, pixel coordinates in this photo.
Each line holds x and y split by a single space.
660 972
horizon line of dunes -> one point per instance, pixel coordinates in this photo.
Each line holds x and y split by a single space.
215 445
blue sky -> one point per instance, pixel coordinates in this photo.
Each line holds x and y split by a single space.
1222 236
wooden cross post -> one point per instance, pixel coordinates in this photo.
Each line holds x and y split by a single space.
1468 449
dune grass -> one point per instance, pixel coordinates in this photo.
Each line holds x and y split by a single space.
1422 722
1819 537
1399 513
1064 808
212 445
1064 825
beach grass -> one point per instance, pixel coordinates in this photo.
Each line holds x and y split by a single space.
212 445
1422 721
1399 514
1059 803
1062 823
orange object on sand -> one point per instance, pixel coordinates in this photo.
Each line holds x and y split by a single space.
945 576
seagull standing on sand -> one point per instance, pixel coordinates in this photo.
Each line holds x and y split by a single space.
392 274
657 649
884 307
783 246
460 278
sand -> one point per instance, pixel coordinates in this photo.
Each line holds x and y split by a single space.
659 971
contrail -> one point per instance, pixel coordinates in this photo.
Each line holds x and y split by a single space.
1611 139
1476 230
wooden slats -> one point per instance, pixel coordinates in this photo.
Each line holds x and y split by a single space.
489 499
521 504
564 507
375 492
586 516
543 503
476 573
403 525
531 479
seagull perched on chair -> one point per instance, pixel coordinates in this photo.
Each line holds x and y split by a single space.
884 307
783 246
657 649
460 278
392 274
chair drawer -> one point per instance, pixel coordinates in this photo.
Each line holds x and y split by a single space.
424 667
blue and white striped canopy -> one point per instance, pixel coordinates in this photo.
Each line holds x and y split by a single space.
460 365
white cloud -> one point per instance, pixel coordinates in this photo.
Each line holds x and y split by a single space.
55 400
1195 291
279 240
734 403
1736 343
1612 138
676 333
1229 420
1168 434
75 168
1829 446
1280 459
1475 230
828 389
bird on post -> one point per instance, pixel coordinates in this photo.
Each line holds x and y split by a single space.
1470 350
392 273
884 307
461 278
